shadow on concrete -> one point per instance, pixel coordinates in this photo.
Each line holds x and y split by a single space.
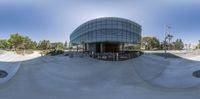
167 55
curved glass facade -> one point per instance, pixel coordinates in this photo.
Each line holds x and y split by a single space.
108 29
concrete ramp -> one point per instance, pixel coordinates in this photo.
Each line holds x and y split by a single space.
10 63
10 69
169 73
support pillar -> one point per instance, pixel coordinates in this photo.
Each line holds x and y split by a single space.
83 47
123 47
101 47
77 47
86 47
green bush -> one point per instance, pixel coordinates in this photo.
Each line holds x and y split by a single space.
56 52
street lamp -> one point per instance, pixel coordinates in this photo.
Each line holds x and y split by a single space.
166 32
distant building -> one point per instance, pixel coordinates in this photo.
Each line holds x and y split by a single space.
109 34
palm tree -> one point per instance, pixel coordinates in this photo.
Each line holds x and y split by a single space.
169 38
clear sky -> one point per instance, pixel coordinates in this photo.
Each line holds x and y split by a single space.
56 19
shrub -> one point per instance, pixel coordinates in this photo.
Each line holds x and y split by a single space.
56 52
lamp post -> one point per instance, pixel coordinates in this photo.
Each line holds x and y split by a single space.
166 32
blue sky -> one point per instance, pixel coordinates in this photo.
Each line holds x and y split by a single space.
56 19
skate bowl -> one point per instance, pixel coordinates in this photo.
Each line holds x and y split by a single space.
168 73
81 77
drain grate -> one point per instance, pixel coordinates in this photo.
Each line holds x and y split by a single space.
3 74
196 73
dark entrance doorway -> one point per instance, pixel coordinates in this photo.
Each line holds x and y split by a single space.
98 47
104 47
109 47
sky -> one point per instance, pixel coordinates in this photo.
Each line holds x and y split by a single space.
55 20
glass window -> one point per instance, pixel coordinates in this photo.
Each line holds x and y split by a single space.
98 35
109 22
94 35
103 22
104 26
115 22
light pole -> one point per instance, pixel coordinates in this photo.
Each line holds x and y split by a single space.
166 32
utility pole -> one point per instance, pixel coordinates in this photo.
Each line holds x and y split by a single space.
166 32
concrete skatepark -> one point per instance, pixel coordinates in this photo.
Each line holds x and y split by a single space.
61 77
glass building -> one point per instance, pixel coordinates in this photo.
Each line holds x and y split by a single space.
108 34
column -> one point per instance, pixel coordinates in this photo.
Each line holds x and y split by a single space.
77 47
101 47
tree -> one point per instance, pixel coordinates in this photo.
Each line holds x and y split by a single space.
155 43
178 44
44 45
66 45
198 46
163 45
5 44
33 45
169 38
150 43
146 43
16 40
57 45
27 42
